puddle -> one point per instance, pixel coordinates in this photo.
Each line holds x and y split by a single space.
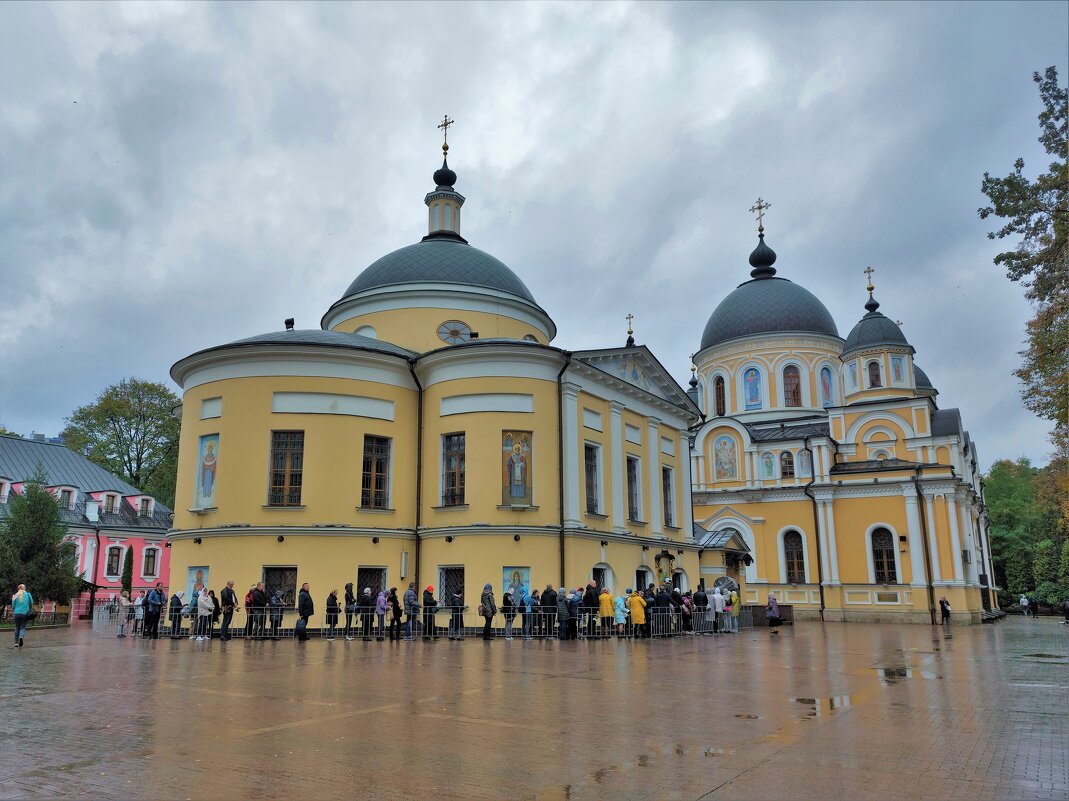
820 707
748 717
893 675
1044 656
716 752
644 761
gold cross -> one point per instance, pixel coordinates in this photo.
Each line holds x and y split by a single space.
759 208
629 318
868 272
444 127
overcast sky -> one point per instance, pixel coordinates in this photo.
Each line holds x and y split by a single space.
176 176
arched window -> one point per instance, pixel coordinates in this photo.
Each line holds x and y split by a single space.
792 386
874 375
795 557
720 396
883 557
786 464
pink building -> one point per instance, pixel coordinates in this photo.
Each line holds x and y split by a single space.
105 516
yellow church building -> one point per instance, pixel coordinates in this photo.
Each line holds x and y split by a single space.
431 432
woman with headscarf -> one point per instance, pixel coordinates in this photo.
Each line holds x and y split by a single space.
772 613
619 611
605 611
380 614
124 611
350 610
508 609
489 609
394 614
562 612
367 613
205 610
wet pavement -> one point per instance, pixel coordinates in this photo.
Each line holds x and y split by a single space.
835 711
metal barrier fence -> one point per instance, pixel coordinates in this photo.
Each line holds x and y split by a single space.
275 623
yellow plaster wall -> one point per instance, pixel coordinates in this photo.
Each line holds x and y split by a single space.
946 550
333 454
853 516
417 329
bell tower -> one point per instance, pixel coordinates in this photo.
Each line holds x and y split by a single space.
443 204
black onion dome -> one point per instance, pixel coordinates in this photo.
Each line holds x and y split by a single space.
762 259
444 176
874 330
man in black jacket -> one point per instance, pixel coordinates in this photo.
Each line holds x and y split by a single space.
549 612
305 609
367 612
590 608
259 610
701 611
429 607
229 600
662 610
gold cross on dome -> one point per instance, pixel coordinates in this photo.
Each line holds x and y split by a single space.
758 208
629 318
444 128
868 273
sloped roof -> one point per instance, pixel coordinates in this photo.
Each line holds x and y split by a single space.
726 539
946 422
787 432
878 466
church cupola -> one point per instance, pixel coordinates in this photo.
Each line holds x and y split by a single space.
763 257
443 204
876 356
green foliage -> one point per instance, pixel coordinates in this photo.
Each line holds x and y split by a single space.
128 571
32 547
9 432
1037 211
1063 565
132 430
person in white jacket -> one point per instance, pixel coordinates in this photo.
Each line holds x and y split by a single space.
205 610
719 605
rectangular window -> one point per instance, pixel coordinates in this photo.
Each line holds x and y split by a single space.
370 577
149 568
667 495
453 470
109 504
281 579
287 468
114 561
450 583
634 509
375 487
65 497
143 507
590 472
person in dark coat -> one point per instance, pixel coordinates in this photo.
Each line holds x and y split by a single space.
260 602
456 616
676 618
176 613
429 606
332 613
944 610
575 612
411 606
366 605
350 610
229 599
701 611
508 609
305 609
662 602
488 611
561 597
590 608
548 607
393 614
276 605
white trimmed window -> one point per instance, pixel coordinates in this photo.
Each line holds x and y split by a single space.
634 489
110 503
113 566
150 563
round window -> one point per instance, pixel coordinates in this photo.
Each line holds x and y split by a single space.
453 332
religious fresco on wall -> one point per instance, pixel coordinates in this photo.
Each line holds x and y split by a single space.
724 459
768 465
207 464
516 468
853 375
751 381
897 368
517 579
825 387
805 463
196 580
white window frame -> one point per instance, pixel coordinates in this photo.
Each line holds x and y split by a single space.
159 558
783 532
669 503
389 472
900 579
5 488
115 498
803 383
122 560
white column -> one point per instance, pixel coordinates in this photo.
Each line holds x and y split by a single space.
616 431
833 550
571 455
916 544
933 540
750 467
654 458
955 540
967 541
699 479
822 533
685 515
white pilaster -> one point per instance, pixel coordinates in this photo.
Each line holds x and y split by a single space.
833 550
955 540
822 532
653 450
916 544
933 541
967 541
616 432
571 455
687 509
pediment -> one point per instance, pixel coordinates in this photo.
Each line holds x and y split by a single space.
638 367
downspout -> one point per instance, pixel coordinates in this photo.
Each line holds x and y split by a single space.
96 562
560 453
816 523
419 465
927 549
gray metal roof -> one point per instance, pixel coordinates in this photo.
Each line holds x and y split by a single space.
767 305
946 422
876 466
788 432
315 336
19 459
920 378
721 538
443 261
872 331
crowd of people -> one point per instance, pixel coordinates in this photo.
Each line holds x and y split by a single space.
379 614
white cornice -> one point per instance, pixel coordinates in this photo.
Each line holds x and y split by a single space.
603 385
290 531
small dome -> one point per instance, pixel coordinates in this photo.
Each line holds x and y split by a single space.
444 176
920 378
767 305
440 261
874 330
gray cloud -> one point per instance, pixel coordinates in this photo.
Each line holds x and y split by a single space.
175 176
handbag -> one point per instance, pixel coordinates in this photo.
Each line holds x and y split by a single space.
31 615
350 609
482 611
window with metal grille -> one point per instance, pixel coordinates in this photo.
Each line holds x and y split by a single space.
633 507
795 557
601 577
883 557
667 495
453 470
65 497
109 504
792 386
450 583
114 561
874 375
143 507
786 464
149 566
720 396
287 468
375 486
643 578
282 579
373 577
590 468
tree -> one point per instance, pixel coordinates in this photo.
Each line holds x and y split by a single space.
128 571
9 432
33 549
132 431
1038 212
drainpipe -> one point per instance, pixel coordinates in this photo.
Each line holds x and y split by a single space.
560 452
816 522
419 466
96 562
927 550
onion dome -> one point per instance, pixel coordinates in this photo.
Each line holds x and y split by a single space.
874 331
444 177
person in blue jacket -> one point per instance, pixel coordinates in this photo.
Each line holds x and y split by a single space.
21 606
